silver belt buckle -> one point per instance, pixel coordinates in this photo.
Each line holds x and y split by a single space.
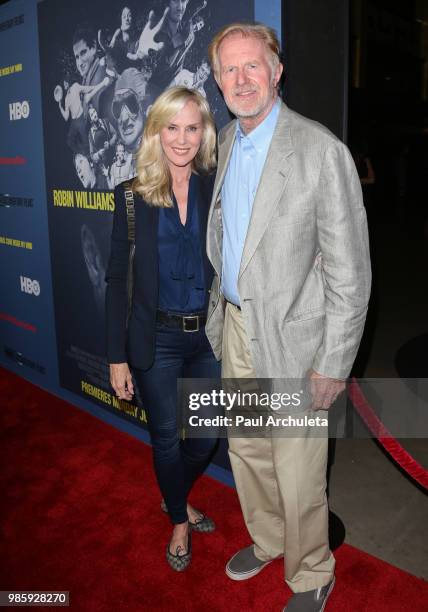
185 319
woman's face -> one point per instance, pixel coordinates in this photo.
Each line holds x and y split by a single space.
126 19
181 138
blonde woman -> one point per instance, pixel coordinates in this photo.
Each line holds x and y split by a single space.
165 337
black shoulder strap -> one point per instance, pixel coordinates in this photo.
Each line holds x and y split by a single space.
130 210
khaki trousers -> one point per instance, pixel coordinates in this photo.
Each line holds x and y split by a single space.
281 483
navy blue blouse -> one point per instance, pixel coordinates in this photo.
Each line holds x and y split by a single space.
181 275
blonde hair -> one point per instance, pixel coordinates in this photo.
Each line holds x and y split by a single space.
246 30
153 181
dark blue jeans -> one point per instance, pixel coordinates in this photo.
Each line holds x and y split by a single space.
177 462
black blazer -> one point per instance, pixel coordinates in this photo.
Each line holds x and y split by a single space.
136 343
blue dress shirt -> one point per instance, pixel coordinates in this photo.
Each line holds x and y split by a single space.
237 196
181 274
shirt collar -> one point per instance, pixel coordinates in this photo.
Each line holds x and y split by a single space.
261 136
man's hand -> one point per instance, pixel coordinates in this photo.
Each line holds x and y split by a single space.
147 38
324 390
121 380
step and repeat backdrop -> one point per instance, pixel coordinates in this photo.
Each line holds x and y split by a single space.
75 87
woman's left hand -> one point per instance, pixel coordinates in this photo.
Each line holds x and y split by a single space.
121 380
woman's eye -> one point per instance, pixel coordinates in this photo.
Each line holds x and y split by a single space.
192 128
171 128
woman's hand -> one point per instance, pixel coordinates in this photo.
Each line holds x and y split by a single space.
121 380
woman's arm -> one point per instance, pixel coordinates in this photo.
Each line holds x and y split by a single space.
116 279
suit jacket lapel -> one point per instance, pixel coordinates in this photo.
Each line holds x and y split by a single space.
275 175
215 228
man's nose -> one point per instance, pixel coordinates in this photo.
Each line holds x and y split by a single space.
241 76
124 113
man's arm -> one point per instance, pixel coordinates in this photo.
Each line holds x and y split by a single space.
89 91
343 239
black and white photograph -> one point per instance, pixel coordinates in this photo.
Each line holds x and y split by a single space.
102 67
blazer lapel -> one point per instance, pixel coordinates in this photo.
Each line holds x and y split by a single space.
274 178
205 190
215 227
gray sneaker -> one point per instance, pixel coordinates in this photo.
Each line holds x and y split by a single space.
310 601
245 564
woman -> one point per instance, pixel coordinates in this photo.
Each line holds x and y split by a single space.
165 337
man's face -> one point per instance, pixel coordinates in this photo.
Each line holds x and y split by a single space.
203 72
129 124
177 9
84 57
246 77
199 24
126 19
120 153
84 170
93 115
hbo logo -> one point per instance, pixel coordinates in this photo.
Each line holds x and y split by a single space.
30 286
19 110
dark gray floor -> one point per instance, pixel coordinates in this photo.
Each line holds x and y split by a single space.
384 513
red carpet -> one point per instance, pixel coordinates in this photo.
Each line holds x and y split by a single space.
80 512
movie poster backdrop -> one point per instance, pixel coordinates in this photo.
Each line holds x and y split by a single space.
27 339
103 64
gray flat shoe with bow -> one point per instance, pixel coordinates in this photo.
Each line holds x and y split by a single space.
204 524
180 562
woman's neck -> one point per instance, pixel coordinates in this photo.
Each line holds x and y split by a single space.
181 175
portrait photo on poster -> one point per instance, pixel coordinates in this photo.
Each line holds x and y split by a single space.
102 66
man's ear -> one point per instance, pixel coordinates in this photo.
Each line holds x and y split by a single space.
278 73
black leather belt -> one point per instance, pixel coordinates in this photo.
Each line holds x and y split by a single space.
191 322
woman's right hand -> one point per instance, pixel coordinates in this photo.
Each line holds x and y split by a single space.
121 380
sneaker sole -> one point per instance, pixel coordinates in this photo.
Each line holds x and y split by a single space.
246 575
326 598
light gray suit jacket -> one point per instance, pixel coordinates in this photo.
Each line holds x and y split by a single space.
304 280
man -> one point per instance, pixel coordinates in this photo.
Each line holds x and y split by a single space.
85 170
90 69
102 137
287 237
122 168
128 113
75 94
175 38
194 80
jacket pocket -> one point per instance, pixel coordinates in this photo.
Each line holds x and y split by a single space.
305 315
